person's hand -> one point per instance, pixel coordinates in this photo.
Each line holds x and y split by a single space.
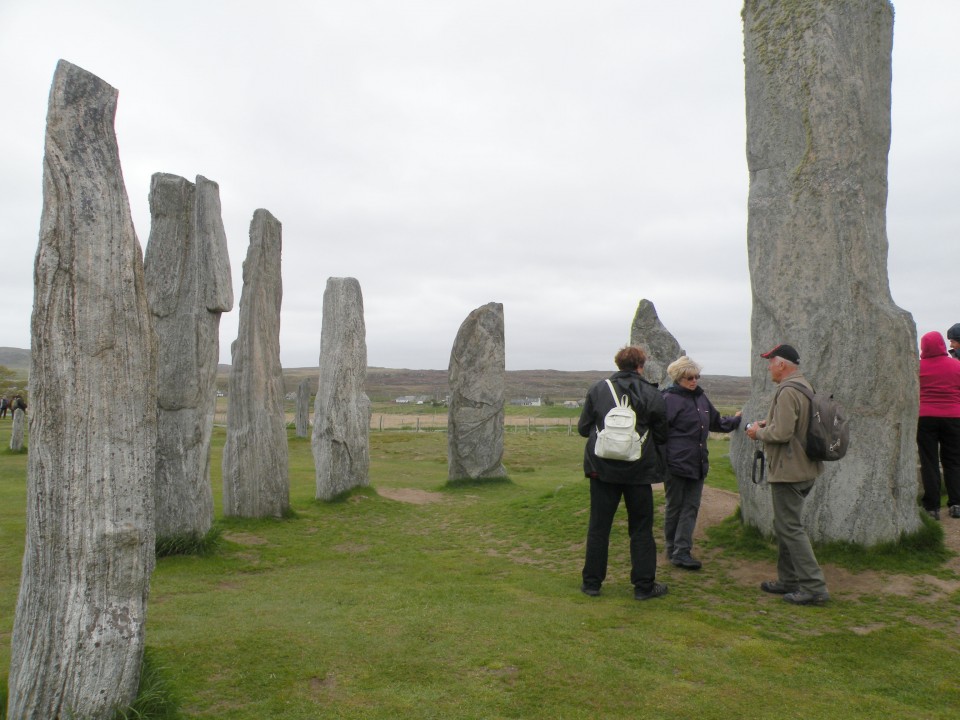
739 413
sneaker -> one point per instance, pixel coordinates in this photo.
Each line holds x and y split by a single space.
802 597
778 588
935 514
590 590
686 561
955 511
657 590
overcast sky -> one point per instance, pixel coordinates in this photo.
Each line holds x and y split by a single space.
564 158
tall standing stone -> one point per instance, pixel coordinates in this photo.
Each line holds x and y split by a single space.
187 270
16 431
661 347
78 635
303 408
341 417
475 420
255 459
818 132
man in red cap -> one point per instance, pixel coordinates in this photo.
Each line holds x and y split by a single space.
791 474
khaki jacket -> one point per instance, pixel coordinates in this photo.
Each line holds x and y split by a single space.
785 434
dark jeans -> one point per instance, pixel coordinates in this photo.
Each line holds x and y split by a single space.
938 441
604 500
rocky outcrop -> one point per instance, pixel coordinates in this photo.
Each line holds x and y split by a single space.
255 460
341 417
661 347
78 635
303 408
16 430
187 271
818 132
475 418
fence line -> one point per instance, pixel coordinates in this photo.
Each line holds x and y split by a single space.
438 423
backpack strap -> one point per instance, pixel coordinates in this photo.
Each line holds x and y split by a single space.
806 392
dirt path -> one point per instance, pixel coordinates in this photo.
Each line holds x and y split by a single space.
720 504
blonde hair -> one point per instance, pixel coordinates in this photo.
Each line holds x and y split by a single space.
682 367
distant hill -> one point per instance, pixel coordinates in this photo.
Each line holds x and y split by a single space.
384 384
15 358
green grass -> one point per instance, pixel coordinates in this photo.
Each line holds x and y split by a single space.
468 607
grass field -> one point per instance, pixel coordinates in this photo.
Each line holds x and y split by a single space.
467 606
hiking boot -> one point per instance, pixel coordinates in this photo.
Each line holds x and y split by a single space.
686 561
655 591
955 511
778 588
590 590
802 597
935 514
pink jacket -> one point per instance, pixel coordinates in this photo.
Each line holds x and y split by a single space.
939 378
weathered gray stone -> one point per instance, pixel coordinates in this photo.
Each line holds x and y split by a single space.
78 635
341 417
303 408
818 132
661 347
255 459
475 419
189 285
16 431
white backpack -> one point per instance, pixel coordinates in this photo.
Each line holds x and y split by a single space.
619 439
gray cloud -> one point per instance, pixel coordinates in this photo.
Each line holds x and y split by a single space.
564 158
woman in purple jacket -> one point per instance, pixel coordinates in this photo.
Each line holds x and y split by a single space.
938 427
690 419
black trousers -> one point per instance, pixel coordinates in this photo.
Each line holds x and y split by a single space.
604 501
938 441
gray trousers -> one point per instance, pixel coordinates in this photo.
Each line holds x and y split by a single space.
796 564
680 516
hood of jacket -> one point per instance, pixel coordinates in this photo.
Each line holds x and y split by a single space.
932 345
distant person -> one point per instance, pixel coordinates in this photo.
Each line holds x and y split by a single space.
792 475
612 479
953 337
938 427
18 404
4 404
691 417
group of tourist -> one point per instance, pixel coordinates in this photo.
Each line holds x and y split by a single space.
676 423
12 405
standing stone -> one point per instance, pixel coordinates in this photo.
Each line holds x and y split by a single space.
303 408
16 432
78 635
341 417
187 270
818 131
255 467
477 373
661 347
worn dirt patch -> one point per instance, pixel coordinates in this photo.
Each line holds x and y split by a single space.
242 538
410 495
720 504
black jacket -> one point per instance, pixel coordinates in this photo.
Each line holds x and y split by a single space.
651 413
691 417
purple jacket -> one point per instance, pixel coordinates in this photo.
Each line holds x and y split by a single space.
690 419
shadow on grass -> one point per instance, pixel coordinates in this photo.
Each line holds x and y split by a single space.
920 552
474 483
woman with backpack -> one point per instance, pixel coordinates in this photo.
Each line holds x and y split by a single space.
691 417
611 479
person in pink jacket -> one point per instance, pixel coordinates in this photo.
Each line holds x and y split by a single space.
938 428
